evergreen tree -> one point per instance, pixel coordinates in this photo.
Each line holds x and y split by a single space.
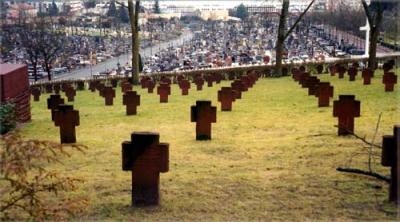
241 12
53 10
157 7
112 10
123 14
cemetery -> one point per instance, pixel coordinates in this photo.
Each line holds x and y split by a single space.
177 154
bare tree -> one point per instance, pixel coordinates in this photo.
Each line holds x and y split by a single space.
134 10
50 52
374 13
282 34
32 48
134 21
41 44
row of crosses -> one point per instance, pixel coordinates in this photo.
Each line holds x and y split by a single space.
346 108
389 79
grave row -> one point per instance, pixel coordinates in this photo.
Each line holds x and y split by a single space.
389 78
144 155
346 109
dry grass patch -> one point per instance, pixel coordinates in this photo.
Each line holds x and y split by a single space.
272 158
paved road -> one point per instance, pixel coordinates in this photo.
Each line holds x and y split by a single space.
123 59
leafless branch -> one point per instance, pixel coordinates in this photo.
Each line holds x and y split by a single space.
361 138
299 19
362 172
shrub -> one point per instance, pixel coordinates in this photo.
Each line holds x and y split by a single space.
7 117
29 189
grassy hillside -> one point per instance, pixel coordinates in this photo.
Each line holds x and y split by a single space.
272 158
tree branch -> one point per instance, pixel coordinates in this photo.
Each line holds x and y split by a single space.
121 4
299 19
367 12
363 172
361 138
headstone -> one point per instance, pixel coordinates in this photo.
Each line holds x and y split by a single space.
70 93
253 76
179 78
80 85
66 118
247 82
93 85
146 157
52 103
131 100
165 79
164 90
367 74
239 87
352 73
296 74
346 109
320 69
294 71
199 81
324 91
35 91
143 81
231 76
108 93
312 84
56 88
49 88
389 79
303 77
302 69
226 96
65 85
203 114
341 70
151 84
217 78
126 86
114 82
100 87
391 158
209 79
387 66
185 86
332 70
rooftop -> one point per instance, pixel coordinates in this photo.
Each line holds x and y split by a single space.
7 68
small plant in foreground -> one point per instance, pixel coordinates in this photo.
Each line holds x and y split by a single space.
7 117
29 190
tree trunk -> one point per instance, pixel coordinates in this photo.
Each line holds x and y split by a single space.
281 38
48 70
375 21
134 21
374 33
135 56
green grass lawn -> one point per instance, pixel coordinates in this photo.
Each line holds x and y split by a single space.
274 157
